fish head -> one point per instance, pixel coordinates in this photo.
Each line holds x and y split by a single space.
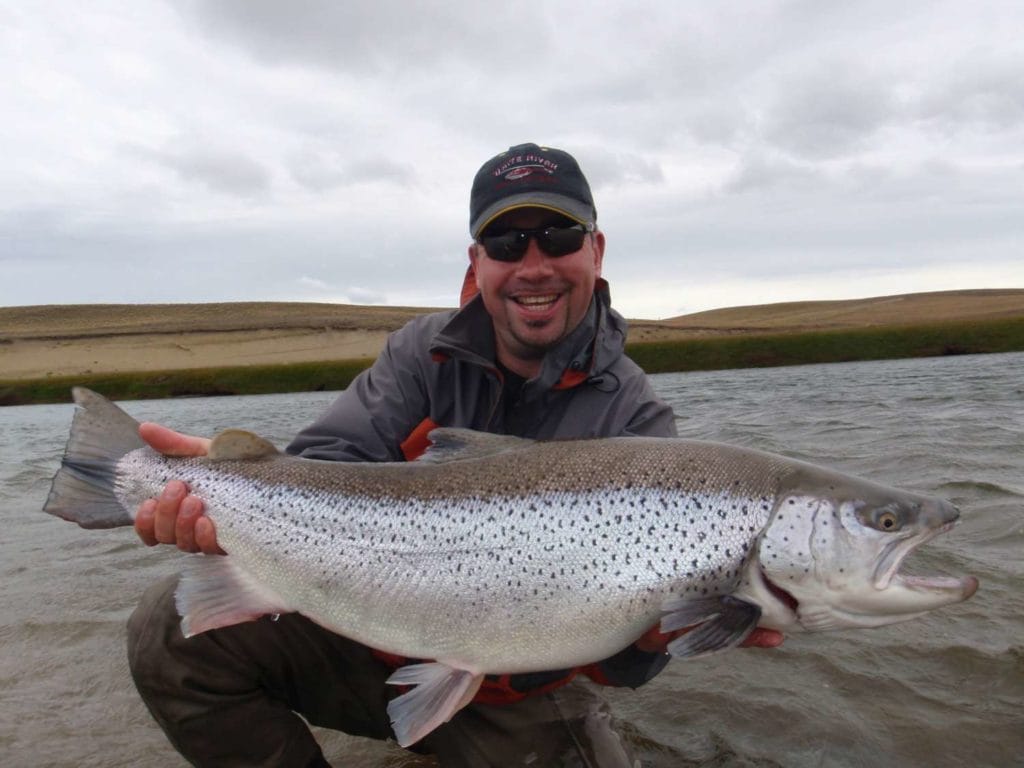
831 553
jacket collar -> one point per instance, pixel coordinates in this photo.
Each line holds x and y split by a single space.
596 343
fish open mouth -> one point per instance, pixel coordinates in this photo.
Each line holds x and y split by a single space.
888 573
888 569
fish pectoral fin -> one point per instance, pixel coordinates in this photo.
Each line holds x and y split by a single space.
728 625
439 691
214 593
681 612
239 444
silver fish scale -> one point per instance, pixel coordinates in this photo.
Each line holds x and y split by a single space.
564 558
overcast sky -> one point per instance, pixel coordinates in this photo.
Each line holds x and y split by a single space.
322 150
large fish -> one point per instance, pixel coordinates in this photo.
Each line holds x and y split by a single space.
495 554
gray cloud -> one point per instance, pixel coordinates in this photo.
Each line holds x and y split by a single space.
385 35
987 94
221 170
762 171
831 111
320 171
608 168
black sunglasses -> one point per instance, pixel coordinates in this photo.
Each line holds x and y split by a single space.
511 244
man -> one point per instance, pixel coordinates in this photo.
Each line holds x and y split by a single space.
535 351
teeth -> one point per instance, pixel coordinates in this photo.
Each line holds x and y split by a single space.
536 300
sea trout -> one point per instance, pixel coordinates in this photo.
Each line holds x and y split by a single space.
497 554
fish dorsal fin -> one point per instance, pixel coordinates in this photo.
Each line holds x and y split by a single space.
452 444
239 444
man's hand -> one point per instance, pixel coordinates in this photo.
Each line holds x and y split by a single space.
176 517
655 641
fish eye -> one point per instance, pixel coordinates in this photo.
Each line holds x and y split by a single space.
887 521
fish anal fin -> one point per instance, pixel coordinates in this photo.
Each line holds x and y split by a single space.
214 593
439 691
730 624
240 444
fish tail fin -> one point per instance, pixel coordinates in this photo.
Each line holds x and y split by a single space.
83 488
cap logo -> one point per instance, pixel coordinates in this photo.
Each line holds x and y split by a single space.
521 166
522 173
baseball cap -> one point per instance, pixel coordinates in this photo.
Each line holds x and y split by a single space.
530 176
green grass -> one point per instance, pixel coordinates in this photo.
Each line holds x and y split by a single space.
713 353
192 382
887 343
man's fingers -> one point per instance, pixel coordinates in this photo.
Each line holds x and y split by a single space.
171 519
166 513
189 512
144 522
171 443
764 638
206 537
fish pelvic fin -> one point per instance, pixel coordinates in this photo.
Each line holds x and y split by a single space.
213 592
719 623
240 444
83 488
439 691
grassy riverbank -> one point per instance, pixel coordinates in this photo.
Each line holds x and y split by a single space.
190 382
885 343
750 350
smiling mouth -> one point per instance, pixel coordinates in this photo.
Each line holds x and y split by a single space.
536 302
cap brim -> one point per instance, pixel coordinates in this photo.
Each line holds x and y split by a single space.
567 206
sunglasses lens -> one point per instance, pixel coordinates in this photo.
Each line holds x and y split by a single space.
554 241
560 241
508 246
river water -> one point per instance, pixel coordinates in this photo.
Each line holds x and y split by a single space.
943 690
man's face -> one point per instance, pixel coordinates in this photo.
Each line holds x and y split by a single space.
536 301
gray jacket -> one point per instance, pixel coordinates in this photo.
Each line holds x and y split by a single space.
439 370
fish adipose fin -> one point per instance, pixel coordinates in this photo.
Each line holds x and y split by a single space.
719 623
83 488
439 692
451 444
214 592
239 444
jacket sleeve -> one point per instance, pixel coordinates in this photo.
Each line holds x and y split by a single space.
639 411
653 417
376 412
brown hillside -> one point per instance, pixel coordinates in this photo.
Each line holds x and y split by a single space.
43 341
